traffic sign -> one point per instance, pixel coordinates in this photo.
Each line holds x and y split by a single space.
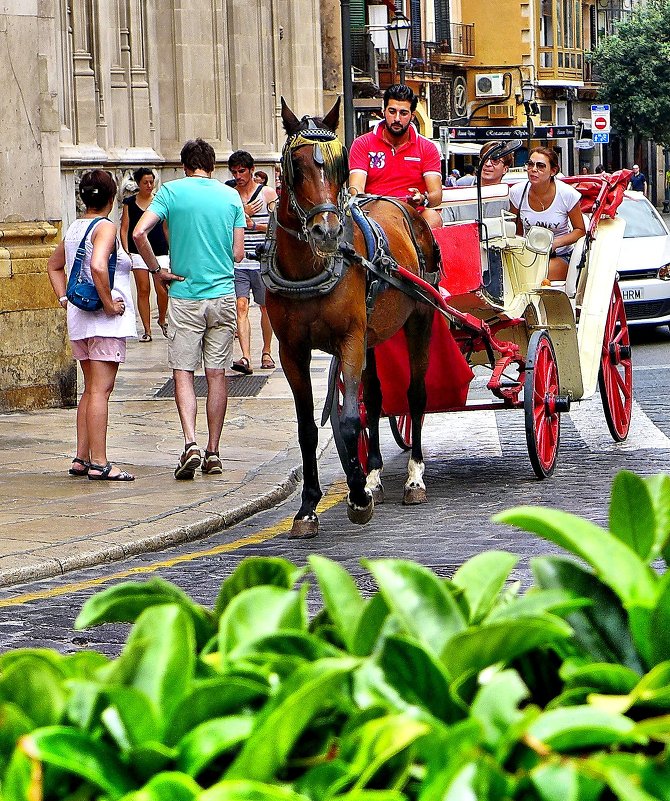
601 138
600 123
600 120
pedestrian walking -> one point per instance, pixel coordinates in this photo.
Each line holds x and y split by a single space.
205 222
638 180
97 338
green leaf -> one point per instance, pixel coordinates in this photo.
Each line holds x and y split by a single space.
632 517
324 780
130 717
579 727
36 687
659 491
418 677
123 603
370 625
600 629
211 739
287 714
255 571
555 782
244 790
616 564
535 602
601 677
660 624
214 698
76 752
482 578
167 786
83 664
502 641
496 705
23 779
13 724
159 657
417 597
257 612
150 758
376 742
300 644
341 597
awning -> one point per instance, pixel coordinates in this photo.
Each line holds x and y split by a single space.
461 148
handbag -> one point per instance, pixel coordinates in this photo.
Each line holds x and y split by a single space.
80 292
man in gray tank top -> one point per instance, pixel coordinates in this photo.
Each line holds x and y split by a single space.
255 200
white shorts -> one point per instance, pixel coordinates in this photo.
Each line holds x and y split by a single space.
139 263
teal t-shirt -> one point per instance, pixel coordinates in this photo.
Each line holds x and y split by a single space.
201 214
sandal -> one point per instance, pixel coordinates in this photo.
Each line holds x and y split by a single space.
84 467
267 362
242 366
163 327
189 462
211 464
105 470
145 338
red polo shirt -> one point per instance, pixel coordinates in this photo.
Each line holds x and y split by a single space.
392 172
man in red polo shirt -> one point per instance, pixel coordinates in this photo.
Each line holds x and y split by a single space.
394 160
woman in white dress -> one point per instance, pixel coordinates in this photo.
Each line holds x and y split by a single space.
97 338
546 201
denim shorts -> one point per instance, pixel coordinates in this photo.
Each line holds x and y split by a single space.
248 281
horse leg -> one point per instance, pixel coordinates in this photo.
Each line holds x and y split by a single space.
417 330
296 368
372 395
360 503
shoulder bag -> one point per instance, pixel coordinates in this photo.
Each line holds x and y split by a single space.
80 292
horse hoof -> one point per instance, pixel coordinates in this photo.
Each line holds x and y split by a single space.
303 529
414 496
378 495
361 514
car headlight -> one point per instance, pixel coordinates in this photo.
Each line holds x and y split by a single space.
664 272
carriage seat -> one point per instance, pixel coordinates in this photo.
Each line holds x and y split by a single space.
467 195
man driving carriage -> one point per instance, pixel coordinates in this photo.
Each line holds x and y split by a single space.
396 161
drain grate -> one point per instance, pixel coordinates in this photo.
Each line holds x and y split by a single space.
244 386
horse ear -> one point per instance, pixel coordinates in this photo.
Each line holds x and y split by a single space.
332 119
290 121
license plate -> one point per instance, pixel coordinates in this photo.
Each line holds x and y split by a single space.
632 294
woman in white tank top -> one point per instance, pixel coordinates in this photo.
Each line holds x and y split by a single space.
546 201
97 338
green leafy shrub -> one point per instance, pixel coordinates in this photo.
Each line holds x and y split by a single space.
430 689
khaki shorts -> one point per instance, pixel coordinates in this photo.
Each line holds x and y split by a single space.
201 331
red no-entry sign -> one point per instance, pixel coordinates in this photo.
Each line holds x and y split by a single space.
600 123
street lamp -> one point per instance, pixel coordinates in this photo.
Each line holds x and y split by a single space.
399 30
528 96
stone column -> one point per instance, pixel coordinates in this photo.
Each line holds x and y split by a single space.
36 369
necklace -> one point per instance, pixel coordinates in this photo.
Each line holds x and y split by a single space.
537 198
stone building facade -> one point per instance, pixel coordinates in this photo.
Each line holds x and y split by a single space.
120 84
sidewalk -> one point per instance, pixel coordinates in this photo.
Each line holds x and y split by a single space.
51 523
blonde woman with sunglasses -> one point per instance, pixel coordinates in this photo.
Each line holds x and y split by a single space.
546 201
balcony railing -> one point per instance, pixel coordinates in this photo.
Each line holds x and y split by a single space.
560 63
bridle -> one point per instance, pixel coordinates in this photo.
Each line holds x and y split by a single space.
335 162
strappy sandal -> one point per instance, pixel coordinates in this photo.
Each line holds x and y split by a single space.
84 467
164 328
105 470
145 338
242 366
267 362
189 462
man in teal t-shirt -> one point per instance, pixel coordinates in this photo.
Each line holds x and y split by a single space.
205 221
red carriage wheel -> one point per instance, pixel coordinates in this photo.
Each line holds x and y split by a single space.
615 378
335 411
401 428
542 404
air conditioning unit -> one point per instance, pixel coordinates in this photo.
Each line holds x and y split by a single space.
505 111
489 85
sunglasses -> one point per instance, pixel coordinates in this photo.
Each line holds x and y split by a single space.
540 166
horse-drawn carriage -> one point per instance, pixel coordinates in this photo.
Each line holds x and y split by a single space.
408 326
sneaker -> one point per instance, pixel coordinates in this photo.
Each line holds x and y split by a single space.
211 464
189 462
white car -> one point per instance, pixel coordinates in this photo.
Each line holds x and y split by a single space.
644 262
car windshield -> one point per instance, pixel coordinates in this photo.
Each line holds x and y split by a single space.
640 219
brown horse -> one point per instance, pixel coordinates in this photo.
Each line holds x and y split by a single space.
319 298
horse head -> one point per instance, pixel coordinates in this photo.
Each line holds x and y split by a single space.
315 171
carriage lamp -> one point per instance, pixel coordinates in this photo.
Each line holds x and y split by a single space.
539 239
399 31
664 272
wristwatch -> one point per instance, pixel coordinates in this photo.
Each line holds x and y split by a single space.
157 270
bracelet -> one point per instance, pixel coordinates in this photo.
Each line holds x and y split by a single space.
425 199
157 270
253 225
60 300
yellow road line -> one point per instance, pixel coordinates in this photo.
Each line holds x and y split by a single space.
332 497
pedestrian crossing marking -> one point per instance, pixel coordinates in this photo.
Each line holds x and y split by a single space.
588 419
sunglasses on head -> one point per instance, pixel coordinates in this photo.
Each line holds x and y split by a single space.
536 165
